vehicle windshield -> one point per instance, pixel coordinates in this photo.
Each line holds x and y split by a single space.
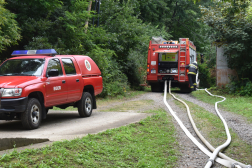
22 67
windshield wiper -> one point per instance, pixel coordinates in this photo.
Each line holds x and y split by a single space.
6 75
23 75
17 74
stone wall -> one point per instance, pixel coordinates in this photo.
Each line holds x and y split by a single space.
223 73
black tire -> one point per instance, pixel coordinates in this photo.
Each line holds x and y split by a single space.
32 116
47 110
85 105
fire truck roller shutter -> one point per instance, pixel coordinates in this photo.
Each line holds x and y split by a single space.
168 55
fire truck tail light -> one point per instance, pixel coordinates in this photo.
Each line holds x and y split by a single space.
148 69
187 70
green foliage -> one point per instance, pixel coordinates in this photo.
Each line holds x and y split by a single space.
9 30
234 29
62 27
179 17
204 75
114 81
129 37
119 45
242 87
249 12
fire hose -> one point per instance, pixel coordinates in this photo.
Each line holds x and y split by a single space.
222 159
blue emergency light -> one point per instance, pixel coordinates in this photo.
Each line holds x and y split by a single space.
34 52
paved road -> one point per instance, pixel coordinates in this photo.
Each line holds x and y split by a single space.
67 125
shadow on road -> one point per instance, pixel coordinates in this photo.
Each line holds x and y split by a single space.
52 118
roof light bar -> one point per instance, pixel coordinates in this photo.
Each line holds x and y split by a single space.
34 52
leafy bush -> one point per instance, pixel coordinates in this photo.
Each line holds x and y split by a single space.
242 87
114 81
205 77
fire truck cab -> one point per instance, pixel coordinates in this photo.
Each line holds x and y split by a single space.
167 61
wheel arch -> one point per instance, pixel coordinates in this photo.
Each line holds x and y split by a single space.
90 89
39 95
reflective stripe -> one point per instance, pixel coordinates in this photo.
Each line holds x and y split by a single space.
193 66
195 84
192 86
192 73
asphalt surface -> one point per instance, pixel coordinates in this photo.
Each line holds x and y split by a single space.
67 125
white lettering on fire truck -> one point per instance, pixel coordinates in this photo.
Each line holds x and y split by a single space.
171 46
56 88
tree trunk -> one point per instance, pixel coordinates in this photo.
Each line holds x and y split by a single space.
88 9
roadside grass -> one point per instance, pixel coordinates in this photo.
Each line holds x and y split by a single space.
71 108
213 130
149 143
138 106
104 101
237 104
128 95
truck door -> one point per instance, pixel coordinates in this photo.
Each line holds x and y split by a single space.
73 80
56 88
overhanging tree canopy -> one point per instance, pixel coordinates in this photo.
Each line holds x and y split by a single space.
9 31
233 26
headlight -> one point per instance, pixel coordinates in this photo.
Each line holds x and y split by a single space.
12 92
174 70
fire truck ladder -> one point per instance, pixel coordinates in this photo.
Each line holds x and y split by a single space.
182 63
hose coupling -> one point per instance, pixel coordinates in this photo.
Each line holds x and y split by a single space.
234 165
211 160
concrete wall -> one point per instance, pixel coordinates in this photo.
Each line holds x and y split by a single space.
223 73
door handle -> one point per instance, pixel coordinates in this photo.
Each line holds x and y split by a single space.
77 80
63 81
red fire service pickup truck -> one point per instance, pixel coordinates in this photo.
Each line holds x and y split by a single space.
167 61
33 81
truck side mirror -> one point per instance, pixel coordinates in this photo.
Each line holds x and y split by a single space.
53 72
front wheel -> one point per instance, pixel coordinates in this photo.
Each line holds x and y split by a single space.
31 118
85 105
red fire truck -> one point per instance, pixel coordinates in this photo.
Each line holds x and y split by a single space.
167 61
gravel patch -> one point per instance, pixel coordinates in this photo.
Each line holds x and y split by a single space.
236 122
191 156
